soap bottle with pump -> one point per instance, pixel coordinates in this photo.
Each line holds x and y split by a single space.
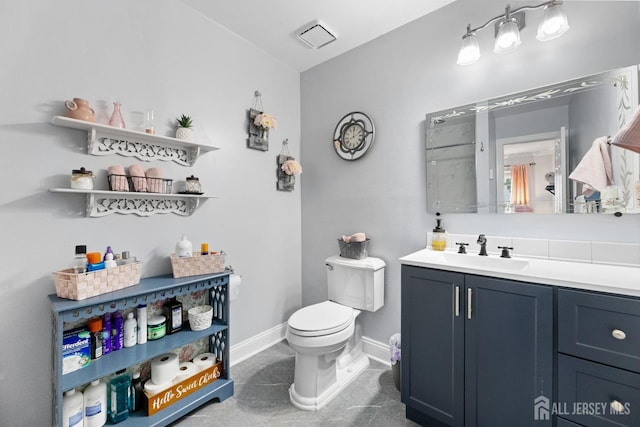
439 238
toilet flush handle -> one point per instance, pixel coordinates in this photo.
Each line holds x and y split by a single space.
329 266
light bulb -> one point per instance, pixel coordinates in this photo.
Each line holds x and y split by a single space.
508 37
554 23
469 50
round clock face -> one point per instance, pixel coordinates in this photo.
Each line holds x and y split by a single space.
353 136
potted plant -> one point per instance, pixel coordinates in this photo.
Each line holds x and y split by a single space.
185 128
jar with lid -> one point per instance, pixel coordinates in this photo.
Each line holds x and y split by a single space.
82 179
193 185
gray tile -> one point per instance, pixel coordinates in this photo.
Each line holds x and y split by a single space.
261 398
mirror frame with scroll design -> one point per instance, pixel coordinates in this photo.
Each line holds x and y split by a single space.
445 197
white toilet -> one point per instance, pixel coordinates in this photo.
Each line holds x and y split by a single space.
325 336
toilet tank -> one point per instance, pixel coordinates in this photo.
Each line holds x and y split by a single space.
356 283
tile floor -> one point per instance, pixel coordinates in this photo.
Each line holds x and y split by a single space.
261 398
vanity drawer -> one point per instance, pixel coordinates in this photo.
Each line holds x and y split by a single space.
596 395
603 328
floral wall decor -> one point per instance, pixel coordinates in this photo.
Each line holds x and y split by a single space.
259 125
288 168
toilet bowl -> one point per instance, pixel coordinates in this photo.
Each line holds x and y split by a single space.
328 355
326 336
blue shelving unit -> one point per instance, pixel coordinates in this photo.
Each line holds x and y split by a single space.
147 291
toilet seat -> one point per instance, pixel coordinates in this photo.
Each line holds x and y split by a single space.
324 318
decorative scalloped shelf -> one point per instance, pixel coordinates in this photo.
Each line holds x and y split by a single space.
104 202
105 140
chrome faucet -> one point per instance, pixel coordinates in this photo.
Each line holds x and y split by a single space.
482 241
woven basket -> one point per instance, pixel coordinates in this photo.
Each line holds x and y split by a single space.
74 286
197 264
200 317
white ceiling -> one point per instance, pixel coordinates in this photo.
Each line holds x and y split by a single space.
272 25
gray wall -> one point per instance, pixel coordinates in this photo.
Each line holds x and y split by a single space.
149 54
400 77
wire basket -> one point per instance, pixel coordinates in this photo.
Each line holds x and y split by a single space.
200 317
354 250
140 184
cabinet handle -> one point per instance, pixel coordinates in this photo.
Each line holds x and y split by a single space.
457 301
617 406
618 334
469 291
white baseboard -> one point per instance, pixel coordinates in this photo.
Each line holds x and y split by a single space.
257 343
380 352
250 347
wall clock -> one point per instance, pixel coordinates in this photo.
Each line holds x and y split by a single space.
353 136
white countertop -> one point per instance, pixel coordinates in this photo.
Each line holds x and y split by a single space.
595 277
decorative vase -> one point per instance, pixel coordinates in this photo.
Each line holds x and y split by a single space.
79 109
116 119
185 134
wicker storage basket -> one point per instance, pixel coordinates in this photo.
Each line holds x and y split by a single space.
200 317
197 264
74 286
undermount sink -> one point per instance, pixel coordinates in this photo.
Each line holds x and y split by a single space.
494 263
499 263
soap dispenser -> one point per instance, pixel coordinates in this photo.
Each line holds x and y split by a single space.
439 239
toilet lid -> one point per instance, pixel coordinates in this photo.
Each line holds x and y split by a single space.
321 319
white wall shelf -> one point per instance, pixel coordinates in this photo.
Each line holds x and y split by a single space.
105 140
104 202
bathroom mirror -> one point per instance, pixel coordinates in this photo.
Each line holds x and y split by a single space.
514 153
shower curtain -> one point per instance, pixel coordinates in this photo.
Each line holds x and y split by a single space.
520 185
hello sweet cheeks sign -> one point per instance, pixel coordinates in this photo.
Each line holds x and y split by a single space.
184 388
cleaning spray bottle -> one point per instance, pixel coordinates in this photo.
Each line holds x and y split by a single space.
439 239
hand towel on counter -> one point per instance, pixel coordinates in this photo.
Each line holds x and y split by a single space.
629 136
594 170
138 178
117 178
154 180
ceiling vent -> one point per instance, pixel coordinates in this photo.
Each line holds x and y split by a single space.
316 35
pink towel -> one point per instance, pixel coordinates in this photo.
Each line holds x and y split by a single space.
117 178
138 178
594 170
154 180
629 136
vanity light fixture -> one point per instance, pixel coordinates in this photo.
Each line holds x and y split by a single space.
508 25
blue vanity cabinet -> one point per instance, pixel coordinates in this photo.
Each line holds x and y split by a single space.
599 358
477 351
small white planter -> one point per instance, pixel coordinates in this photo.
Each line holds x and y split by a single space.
185 134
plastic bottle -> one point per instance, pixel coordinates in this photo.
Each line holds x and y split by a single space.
136 392
130 331
119 396
184 249
107 252
72 409
117 331
80 260
109 262
95 404
142 323
173 313
95 327
106 333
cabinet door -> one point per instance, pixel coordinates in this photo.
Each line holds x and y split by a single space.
508 351
432 346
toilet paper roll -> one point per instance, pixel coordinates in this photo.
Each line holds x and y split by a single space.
185 370
151 388
235 281
204 361
164 368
